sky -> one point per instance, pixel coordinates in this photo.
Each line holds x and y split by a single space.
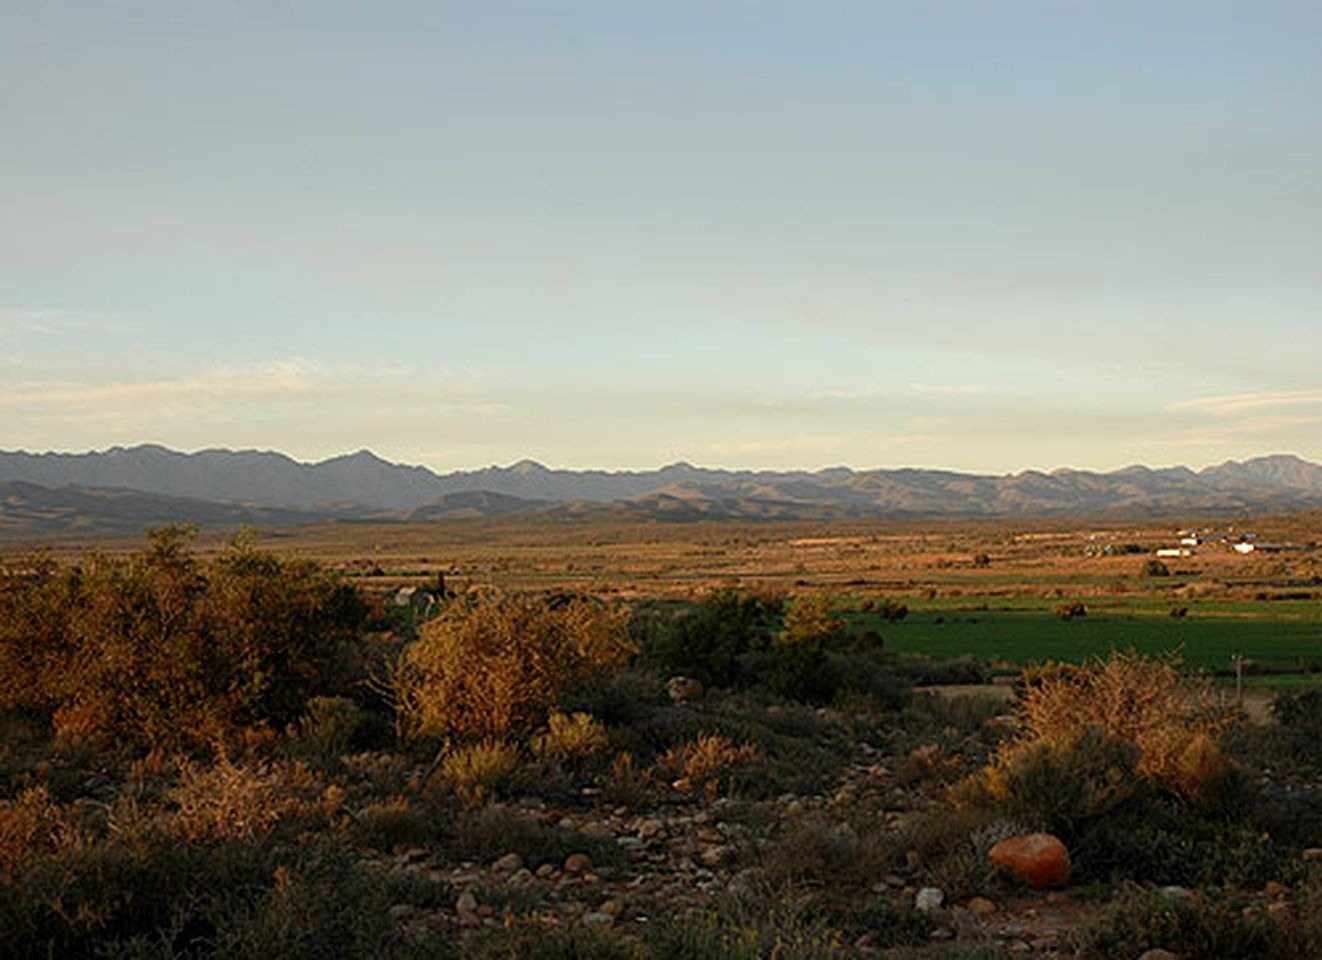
984 235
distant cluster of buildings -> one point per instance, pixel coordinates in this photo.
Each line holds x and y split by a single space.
1192 541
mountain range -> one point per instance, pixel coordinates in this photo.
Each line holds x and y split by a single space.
143 485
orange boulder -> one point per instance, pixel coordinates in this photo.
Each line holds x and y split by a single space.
1038 858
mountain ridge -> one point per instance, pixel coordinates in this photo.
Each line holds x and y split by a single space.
211 485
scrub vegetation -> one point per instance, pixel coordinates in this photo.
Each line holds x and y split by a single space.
216 751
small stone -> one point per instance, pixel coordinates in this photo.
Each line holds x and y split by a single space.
713 856
545 870
1176 893
485 910
604 919
1313 853
467 903
520 877
1039 858
982 906
942 933
510 863
649 829
577 863
612 908
929 899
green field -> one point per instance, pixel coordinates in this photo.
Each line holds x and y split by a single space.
1287 640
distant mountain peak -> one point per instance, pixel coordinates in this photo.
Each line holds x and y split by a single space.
526 467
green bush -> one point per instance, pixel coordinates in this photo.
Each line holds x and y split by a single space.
1202 927
710 641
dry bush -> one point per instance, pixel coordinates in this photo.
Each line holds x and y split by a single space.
31 825
1173 722
706 761
491 665
159 648
227 800
478 771
569 737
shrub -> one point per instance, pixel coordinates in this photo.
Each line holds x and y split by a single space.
227 801
1153 567
392 823
709 641
492 665
1071 610
1065 784
707 761
477 771
32 825
1202 926
157 648
328 727
1174 725
569 737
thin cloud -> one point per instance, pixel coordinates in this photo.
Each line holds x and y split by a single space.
1231 404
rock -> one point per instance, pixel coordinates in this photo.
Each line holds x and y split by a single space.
1157 953
1039 858
1176 893
467 903
510 863
683 689
982 906
612 908
545 871
605 919
929 899
577 863
520 878
649 829
714 856
1313 853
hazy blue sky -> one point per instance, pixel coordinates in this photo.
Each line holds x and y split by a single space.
979 234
